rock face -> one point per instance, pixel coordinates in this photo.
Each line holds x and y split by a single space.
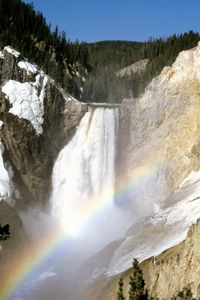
159 147
38 119
162 129
174 269
18 242
18 238
158 167
165 275
159 134
137 67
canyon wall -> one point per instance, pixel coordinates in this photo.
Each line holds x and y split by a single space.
158 180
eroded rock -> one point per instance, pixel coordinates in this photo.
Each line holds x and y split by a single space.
31 153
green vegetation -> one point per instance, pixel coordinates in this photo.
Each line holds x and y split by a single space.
4 237
86 70
4 232
137 289
27 31
185 294
120 293
108 57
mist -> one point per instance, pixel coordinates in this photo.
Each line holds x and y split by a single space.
84 210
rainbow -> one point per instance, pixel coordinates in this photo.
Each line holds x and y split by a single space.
23 266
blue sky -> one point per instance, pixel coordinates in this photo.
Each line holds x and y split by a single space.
93 20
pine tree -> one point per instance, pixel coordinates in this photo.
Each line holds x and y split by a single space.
137 291
120 293
185 294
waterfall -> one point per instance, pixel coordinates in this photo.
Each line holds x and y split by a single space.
84 174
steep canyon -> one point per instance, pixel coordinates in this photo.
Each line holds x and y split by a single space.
125 174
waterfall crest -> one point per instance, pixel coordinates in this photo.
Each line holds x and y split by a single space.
84 172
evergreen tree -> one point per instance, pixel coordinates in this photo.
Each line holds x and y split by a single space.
27 31
137 290
184 294
91 66
120 293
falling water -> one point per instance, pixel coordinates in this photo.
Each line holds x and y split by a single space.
84 175
82 201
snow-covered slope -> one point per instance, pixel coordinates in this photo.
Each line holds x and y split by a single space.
27 98
26 102
164 229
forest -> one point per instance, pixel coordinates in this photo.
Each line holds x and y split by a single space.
107 57
27 31
87 70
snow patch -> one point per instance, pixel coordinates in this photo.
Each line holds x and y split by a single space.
1 55
30 69
25 100
166 228
12 51
5 180
1 124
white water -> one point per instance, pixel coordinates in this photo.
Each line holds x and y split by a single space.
84 176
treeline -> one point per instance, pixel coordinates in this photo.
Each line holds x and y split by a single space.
106 58
27 31
86 70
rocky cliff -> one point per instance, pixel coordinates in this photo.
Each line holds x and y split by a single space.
165 275
162 149
171 271
158 165
135 68
162 127
37 118
158 181
17 233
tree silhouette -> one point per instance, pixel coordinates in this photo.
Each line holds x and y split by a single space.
137 283
120 293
